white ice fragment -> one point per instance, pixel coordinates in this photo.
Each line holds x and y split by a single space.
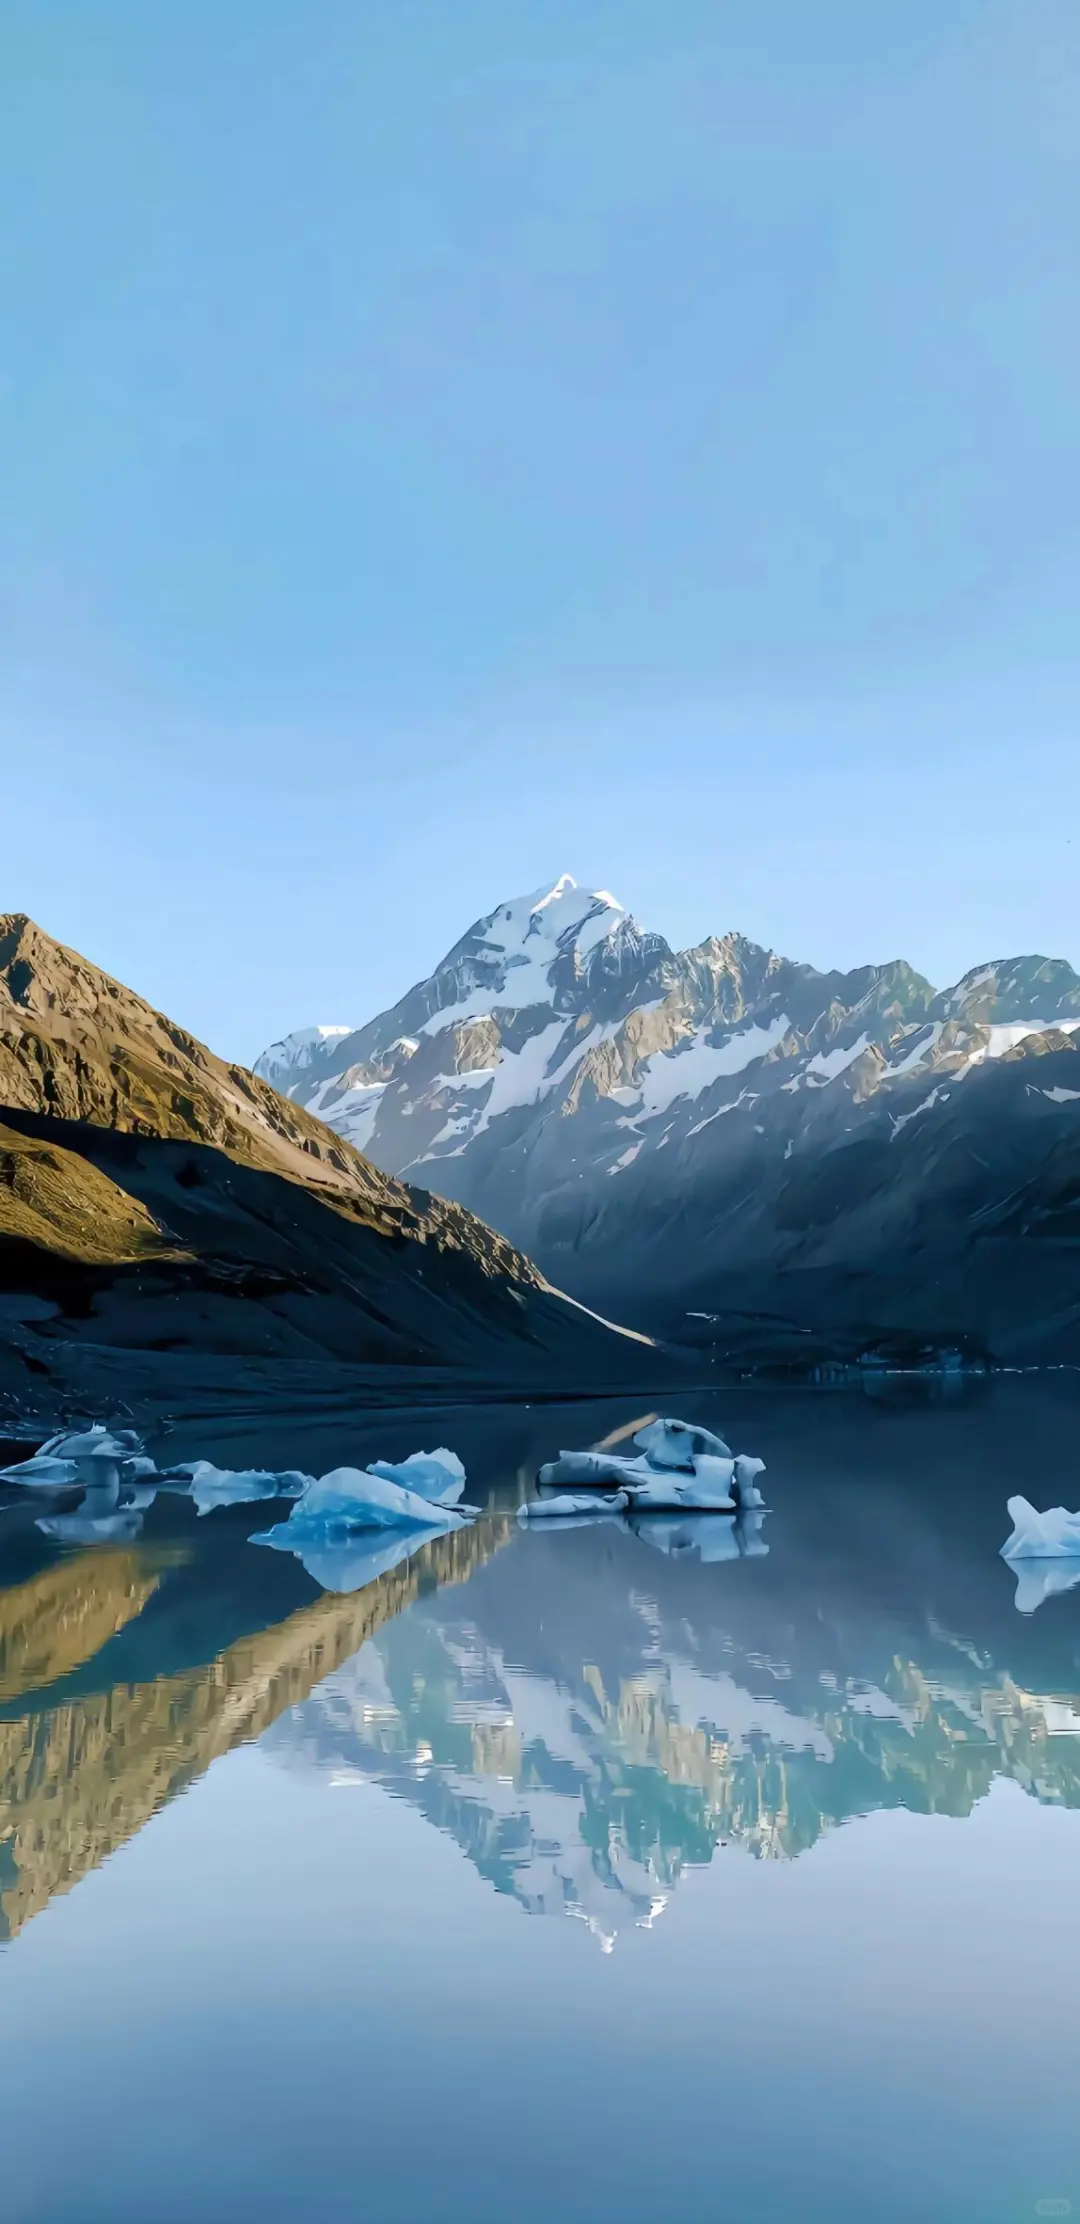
709 1489
228 1486
592 1471
1050 1536
43 1472
86 1459
352 1498
437 1476
677 1466
675 1443
561 1509
660 1488
746 1490
83 1443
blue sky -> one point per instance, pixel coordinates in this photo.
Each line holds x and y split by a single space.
442 446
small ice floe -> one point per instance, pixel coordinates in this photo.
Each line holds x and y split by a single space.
438 1476
1054 1535
347 1509
83 1459
677 1468
338 1525
592 1507
211 1486
106 1471
1043 1551
677 1444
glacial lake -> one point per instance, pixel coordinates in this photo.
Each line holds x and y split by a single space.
555 1875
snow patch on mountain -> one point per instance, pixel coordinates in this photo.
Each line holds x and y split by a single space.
351 1109
688 1073
519 1078
1000 1040
286 1062
828 1063
922 1048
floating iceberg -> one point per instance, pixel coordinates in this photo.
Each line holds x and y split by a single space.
229 1486
677 1468
1054 1535
352 1499
336 1527
678 1443
438 1476
82 1459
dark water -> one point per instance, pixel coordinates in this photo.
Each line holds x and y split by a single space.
555 1875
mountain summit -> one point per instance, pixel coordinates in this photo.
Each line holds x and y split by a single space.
650 1123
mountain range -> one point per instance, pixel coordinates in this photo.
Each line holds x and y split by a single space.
171 1228
730 1148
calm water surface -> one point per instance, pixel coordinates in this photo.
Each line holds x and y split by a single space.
555 1875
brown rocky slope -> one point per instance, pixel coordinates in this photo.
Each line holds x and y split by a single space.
156 1200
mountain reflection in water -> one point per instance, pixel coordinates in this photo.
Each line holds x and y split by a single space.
586 1718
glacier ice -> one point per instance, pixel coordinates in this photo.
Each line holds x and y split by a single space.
84 1458
569 1507
227 1486
335 1506
675 1443
1054 1535
746 1473
340 1525
438 1476
675 1466
675 1469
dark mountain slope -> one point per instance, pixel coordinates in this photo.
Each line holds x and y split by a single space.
958 1229
729 1146
153 1199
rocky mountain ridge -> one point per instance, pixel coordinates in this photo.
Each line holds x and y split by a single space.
147 1188
657 1121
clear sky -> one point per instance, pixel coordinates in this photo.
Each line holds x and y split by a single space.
448 442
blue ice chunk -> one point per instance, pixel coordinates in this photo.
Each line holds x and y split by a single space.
1054 1535
438 1476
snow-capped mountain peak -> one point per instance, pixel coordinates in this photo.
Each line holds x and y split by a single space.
572 1078
535 930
